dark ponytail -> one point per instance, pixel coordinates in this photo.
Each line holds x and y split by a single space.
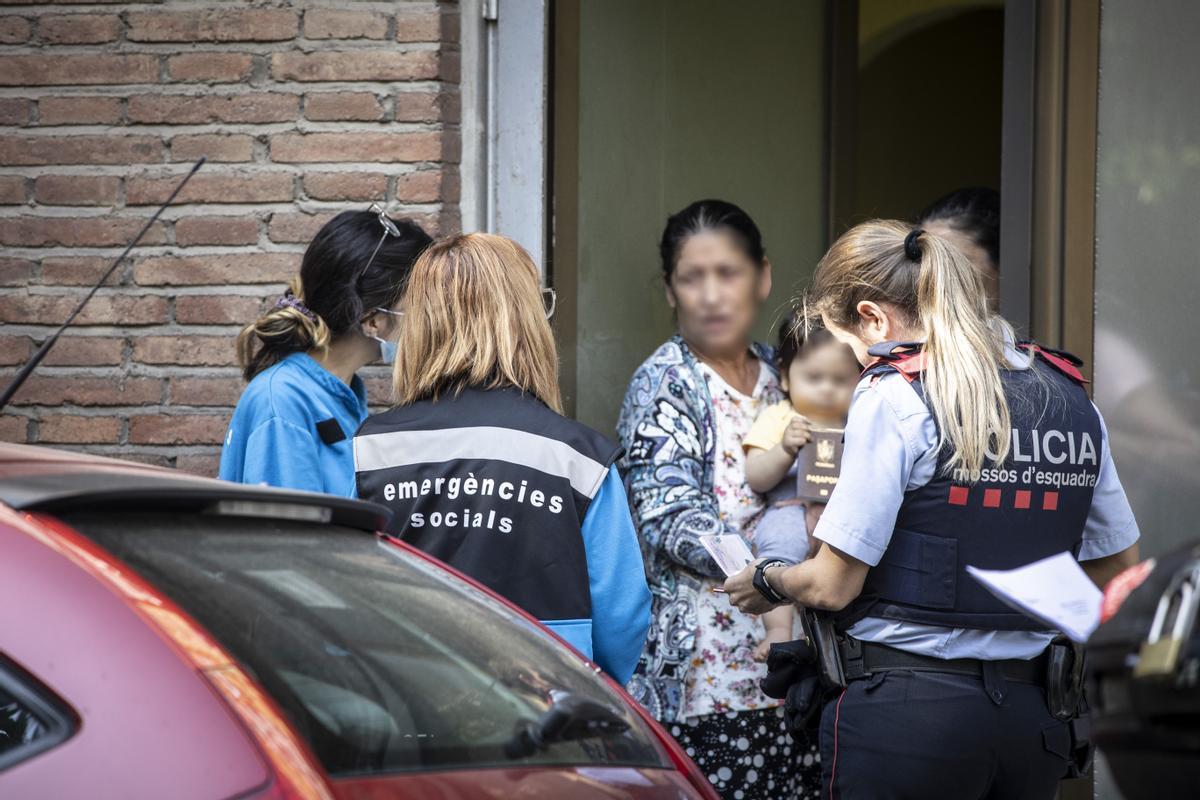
975 211
335 290
704 215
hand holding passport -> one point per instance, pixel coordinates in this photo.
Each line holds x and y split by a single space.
819 464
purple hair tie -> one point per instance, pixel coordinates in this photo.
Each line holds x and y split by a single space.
289 300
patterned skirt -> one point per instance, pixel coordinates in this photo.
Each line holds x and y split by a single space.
748 755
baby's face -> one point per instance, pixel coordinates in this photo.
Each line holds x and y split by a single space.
821 380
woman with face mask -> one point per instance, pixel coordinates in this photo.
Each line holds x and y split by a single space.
293 423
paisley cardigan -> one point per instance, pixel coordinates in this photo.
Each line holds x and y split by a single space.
667 429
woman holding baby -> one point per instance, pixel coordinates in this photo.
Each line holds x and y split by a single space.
685 415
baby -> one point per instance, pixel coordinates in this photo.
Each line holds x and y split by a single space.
818 374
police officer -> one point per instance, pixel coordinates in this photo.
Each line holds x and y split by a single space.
961 448
482 469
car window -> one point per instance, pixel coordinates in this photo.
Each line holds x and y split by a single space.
32 720
382 661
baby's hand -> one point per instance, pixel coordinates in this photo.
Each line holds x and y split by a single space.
797 434
774 636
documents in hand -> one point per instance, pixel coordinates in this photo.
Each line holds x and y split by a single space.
819 464
729 551
1055 591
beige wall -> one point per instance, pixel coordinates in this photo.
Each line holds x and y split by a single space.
679 101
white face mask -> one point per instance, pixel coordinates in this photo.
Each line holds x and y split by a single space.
387 347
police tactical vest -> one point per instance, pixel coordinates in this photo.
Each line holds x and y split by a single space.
1033 505
494 483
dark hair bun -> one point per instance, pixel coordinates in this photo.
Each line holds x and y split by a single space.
704 215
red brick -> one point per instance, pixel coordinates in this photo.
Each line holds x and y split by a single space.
79 28
79 111
418 107
212 187
450 65
213 25
103 309
450 26
32 151
106 231
14 111
220 309
76 271
343 105
354 65
211 351
14 429
216 146
76 390
214 67
216 230
338 23
437 223
226 268
74 69
204 464
15 350
76 190
178 429
419 25
345 185
422 186
14 30
379 388
367 147
451 186
291 226
15 271
71 429
12 190
86 351
181 109
205 391
451 146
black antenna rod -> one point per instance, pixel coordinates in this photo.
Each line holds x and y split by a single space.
28 369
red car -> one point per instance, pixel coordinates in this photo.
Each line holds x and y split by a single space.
169 636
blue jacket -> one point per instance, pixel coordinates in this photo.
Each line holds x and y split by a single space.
281 433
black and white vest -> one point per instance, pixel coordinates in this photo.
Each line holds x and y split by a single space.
495 484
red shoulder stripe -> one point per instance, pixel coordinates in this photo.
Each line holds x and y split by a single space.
909 365
1058 362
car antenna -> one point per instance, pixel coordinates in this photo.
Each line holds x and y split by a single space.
28 369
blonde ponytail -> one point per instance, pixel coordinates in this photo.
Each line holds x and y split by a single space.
964 352
941 294
289 327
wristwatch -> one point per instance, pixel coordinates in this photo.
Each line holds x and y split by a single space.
764 588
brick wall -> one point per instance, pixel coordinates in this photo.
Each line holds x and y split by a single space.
303 110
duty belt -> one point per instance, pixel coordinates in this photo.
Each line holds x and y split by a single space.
860 659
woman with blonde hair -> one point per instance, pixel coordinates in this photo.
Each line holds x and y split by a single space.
481 468
293 423
963 449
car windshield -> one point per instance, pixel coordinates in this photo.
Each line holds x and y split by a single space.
382 661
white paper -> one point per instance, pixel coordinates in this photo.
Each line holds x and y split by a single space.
729 551
1054 590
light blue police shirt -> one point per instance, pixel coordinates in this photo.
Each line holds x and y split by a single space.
891 448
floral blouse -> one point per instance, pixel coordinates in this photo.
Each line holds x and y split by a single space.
668 430
724 676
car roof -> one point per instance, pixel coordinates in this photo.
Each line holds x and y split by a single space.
50 480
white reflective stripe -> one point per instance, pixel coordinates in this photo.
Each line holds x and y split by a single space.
406 448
